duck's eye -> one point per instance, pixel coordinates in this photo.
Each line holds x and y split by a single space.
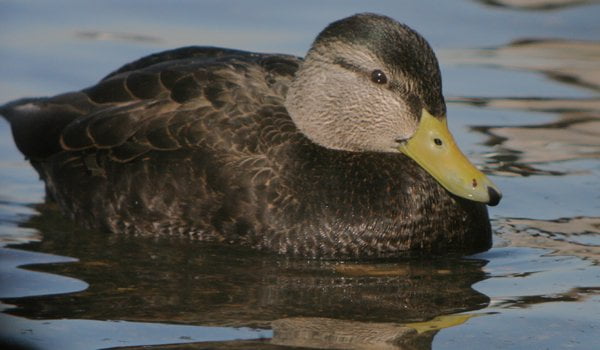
378 77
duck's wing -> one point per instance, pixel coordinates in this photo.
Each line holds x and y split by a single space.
164 101
196 52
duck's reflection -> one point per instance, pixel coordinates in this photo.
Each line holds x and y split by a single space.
399 303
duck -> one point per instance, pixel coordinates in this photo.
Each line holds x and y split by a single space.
345 153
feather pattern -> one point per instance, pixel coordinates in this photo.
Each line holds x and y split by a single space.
197 141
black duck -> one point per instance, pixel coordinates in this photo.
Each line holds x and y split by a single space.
343 154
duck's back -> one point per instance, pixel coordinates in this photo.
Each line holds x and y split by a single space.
197 141
130 153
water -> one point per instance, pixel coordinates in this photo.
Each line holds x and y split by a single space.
522 81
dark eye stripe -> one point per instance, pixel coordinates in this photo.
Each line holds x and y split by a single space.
347 65
378 77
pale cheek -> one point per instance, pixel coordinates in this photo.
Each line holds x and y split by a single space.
391 122
349 102
402 122
376 120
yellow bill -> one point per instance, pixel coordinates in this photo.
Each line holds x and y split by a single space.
434 149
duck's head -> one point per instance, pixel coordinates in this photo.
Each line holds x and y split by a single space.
369 83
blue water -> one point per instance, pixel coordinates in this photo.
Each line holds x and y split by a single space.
528 114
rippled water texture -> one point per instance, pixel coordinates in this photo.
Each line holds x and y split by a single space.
522 81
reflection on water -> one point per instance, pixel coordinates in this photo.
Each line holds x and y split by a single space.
578 236
567 61
539 149
536 4
181 281
97 35
528 287
575 132
534 148
91 334
24 283
555 148
532 118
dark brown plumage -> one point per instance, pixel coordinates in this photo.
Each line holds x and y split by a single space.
197 141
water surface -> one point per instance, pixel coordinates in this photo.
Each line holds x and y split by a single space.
521 78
